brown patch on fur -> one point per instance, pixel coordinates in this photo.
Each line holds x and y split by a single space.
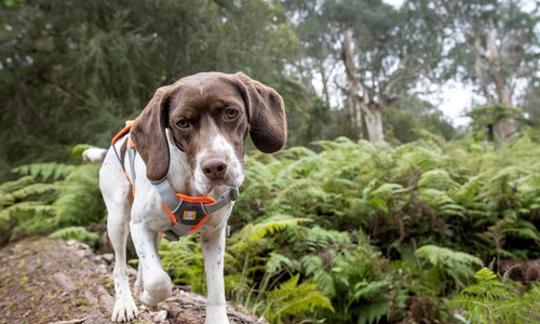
268 124
148 133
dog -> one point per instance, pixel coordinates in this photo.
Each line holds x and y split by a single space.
191 133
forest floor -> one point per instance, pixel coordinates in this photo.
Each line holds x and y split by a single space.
54 281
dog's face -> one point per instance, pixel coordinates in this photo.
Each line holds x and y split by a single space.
209 115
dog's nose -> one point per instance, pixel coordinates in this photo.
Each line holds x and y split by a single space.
214 168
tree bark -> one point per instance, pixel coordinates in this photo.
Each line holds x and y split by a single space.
374 124
504 128
353 85
324 79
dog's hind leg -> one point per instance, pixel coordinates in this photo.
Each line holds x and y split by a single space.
116 193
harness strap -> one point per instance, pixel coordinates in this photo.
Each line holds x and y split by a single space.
186 215
131 152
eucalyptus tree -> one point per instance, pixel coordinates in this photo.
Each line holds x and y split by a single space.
494 44
385 52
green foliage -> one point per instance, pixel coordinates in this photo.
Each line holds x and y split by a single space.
47 197
76 233
184 261
491 301
291 298
45 171
344 232
125 50
408 202
456 265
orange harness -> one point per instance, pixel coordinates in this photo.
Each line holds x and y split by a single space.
187 213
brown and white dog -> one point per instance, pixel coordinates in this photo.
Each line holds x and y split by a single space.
193 133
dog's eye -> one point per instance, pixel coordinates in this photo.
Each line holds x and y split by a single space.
183 123
231 113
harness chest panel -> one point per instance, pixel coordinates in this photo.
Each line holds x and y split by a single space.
187 213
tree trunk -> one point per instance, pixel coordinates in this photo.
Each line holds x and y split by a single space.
352 83
324 79
505 128
374 125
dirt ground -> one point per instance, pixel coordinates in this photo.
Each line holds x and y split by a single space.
53 281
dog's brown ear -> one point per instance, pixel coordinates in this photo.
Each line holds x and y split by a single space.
266 110
148 133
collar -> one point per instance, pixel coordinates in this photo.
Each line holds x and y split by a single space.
189 213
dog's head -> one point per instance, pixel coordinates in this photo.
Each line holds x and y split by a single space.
209 115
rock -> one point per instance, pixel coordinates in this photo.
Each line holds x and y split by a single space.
64 281
109 257
159 316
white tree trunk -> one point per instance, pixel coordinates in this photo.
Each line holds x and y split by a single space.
353 85
374 124
505 128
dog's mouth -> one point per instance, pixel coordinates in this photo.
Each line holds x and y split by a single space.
214 188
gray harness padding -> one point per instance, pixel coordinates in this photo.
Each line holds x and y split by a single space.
189 214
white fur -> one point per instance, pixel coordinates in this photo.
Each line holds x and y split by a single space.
94 154
220 146
145 218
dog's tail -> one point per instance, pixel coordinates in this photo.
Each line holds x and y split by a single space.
94 154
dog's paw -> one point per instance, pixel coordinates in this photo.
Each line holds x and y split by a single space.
156 288
124 310
152 298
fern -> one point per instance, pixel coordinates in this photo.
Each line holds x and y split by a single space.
10 186
184 261
80 201
46 171
457 265
255 232
292 298
491 301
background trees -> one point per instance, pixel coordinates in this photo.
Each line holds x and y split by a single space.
495 45
72 72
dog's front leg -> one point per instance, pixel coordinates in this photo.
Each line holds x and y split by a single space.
156 284
213 246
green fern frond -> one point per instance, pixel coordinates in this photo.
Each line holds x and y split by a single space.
277 262
292 298
11 186
46 171
255 232
457 265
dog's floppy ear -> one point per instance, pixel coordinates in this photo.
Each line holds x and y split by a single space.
148 133
266 113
